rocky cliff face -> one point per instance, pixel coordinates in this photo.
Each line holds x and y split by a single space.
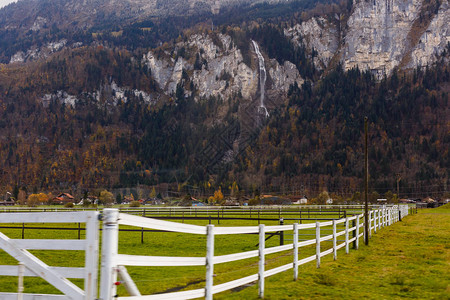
218 70
376 38
434 39
318 35
380 35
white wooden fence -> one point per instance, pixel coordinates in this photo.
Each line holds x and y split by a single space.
30 265
114 263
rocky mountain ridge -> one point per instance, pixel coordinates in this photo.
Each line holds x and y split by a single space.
379 35
376 36
37 14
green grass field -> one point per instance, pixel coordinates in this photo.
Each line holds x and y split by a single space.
410 259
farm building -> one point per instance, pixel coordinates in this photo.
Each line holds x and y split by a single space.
299 200
63 199
8 199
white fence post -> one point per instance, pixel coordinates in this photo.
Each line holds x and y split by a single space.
295 242
395 211
110 241
370 223
20 283
91 258
346 235
375 216
334 240
209 261
261 260
380 218
318 244
357 232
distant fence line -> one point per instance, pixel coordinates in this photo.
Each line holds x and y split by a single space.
144 210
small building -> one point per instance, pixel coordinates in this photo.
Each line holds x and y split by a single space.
406 201
197 203
299 200
431 203
154 201
231 202
63 199
89 200
8 199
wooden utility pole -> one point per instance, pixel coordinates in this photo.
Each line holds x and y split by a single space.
399 177
366 185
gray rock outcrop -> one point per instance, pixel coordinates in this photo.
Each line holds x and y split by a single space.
318 35
434 39
223 73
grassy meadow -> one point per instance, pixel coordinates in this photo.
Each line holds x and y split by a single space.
409 259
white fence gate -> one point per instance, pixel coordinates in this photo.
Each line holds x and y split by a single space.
30 265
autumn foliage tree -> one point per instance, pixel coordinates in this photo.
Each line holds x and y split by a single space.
106 198
217 198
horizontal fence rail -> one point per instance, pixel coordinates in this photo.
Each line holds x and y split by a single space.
340 232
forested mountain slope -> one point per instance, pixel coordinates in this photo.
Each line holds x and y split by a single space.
125 109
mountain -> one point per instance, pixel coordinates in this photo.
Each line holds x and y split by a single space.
271 96
33 29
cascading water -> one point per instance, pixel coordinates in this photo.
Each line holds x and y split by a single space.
262 78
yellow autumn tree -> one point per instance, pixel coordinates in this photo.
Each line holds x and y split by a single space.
153 193
217 198
43 198
234 189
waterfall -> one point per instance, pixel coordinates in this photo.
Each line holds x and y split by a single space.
262 78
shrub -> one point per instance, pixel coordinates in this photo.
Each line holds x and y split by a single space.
68 205
135 204
254 201
33 200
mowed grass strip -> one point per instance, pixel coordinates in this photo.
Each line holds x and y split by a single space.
410 259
